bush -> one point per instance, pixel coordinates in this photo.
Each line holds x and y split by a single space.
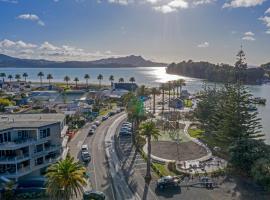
244 153
261 172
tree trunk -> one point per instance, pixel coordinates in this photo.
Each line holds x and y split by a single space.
169 99
163 101
40 81
148 169
154 103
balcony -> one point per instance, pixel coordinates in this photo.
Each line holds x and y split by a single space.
16 144
14 160
12 173
47 150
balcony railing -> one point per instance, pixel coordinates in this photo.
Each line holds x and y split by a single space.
17 143
15 159
47 150
13 173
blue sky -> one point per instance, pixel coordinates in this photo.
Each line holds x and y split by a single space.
161 30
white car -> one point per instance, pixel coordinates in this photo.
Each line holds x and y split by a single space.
94 127
97 123
84 148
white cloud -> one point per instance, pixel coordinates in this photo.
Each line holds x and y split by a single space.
248 38
203 45
201 2
268 31
19 44
266 20
31 17
9 1
121 2
178 4
48 46
165 9
243 3
50 51
249 33
267 11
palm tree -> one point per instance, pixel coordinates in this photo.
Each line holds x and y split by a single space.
10 77
9 191
154 92
40 75
49 77
162 88
25 75
65 179
76 81
18 77
132 80
169 89
66 79
111 78
121 80
181 83
3 75
174 86
100 78
149 130
86 77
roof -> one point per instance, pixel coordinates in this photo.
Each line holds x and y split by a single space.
29 120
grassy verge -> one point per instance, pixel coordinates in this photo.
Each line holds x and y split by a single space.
161 170
188 103
195 133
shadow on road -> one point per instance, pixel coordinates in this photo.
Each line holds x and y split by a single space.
169 192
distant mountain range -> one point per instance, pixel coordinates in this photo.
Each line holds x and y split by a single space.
128 61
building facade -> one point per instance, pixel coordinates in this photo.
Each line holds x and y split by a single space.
29 143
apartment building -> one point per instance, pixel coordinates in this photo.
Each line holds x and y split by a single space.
29 143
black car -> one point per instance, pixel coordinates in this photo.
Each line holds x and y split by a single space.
167 182
93 195
91 132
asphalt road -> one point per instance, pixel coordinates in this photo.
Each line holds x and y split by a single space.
98 167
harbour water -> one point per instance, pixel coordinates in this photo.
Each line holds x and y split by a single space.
149 76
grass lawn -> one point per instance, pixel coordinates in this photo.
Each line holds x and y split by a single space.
188 103
163 170
195 133
173 136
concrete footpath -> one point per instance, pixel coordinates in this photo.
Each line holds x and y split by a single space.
122 190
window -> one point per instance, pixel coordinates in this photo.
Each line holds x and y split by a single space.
5 137
43 133
23 134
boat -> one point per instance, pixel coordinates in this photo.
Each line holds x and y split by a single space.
259 100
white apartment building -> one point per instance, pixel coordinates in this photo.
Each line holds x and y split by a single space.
29 143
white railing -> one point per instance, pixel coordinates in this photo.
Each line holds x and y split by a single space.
15 159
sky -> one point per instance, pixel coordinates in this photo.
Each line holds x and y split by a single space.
160 30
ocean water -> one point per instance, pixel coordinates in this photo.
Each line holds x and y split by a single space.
149 76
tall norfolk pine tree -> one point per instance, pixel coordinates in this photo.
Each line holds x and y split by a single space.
225 113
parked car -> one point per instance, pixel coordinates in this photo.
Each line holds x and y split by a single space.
84 148
105 117
167 182
97 123
94 127
125 129
112 113
93 195
86 156
125 133
91 132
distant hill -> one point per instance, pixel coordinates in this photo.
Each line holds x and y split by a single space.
128 61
